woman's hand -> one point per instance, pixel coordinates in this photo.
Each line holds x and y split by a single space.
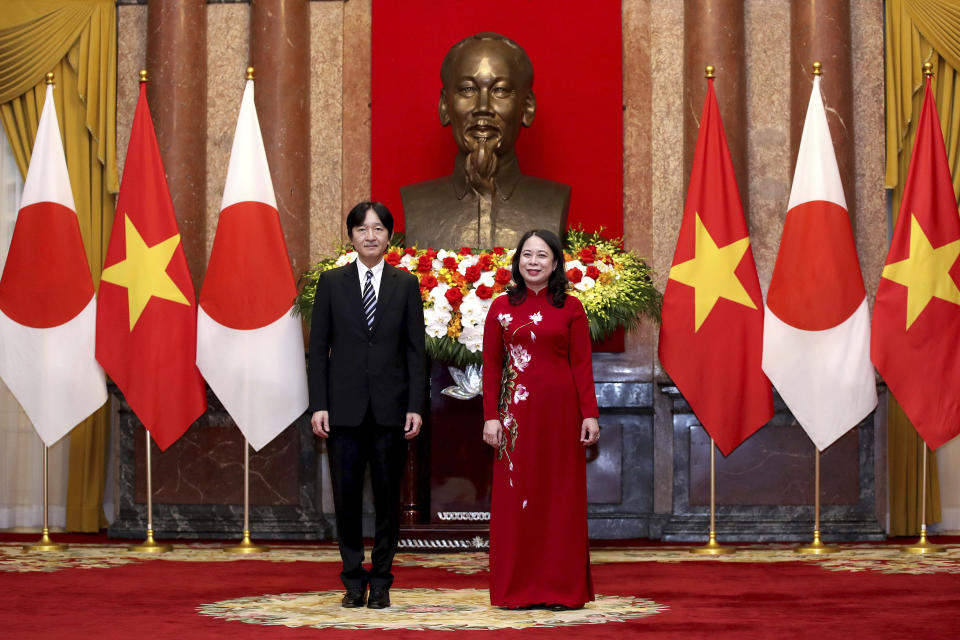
589 431
492 433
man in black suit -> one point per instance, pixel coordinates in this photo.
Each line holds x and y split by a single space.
367 377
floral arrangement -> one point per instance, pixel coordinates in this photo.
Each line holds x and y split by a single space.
457 287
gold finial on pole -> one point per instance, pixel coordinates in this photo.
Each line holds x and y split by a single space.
928 69
143 75
50 78
249 73
710 71
817 69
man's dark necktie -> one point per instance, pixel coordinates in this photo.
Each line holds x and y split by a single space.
369 300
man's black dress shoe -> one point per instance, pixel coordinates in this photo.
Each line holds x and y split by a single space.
379 598
353 598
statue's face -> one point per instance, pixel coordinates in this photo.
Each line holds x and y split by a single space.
487 98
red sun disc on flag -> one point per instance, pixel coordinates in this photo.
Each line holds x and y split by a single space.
816 282
46 280
249 283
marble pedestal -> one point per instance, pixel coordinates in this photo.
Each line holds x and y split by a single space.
764 488
198 481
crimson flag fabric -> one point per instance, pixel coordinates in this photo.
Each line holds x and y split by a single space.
146 312
916 316
711 335
47 305
816 331
249 342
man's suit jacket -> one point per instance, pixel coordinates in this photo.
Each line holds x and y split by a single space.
351 367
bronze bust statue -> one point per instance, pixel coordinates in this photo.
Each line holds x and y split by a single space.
487 95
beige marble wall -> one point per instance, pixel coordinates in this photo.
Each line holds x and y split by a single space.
131 58
768 115
228 29
326 116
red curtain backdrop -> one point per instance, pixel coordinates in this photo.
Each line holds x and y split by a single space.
577 135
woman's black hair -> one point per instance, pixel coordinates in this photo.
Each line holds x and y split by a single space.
359 213
556 284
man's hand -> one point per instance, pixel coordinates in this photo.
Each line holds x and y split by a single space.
412 426
320 421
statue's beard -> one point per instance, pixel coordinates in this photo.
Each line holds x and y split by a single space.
482 162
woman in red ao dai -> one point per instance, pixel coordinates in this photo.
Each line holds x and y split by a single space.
540 410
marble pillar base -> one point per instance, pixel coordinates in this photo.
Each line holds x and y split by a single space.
198 482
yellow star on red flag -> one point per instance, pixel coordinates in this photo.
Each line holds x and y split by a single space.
712 273
926 273
144 272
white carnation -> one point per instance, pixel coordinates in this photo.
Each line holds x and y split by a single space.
586 282
346 258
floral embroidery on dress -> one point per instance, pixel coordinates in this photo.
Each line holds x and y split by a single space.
535 318
505 319
519 357
520 394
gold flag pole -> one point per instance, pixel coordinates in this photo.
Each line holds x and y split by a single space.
816 546
45 543
149 545
246 545
923 545
713 547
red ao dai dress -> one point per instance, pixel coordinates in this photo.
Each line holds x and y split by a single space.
538 381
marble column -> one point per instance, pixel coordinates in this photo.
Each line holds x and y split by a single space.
820 32
714 34
280 54
177 92
356 105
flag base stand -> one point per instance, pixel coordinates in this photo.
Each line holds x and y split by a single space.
246 546
923 545
817 546
150 545
45 544
713 548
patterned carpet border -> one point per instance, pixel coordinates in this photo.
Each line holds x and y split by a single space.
852 557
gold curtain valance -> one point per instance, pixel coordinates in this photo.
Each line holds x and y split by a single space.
919 31
38 35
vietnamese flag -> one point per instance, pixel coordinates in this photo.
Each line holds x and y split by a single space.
816 332
47 306
249 342
711 334
147 313
916 316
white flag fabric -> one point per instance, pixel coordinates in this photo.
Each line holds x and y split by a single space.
47 306
816 338
249 344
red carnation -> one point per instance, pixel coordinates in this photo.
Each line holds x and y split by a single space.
587 254
593 272
424 264
392 258
485 262
499 250
432 253
454 296
503 276
484 292
428 281
472 273
574 275
465 251
449 262
410 251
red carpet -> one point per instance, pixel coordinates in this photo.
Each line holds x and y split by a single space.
101 591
